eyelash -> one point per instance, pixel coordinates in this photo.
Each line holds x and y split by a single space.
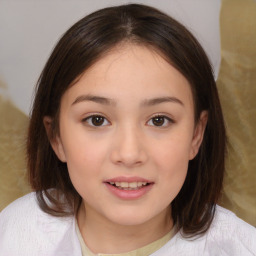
89 120
166 119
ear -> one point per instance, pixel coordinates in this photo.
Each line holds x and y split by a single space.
55 140
198 134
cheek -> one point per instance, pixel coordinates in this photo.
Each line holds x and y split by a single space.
174 151
84 163
172 164
81 145
84 156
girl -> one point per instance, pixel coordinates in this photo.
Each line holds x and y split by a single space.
125 147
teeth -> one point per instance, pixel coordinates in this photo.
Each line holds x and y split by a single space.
129 185
124 184
133 185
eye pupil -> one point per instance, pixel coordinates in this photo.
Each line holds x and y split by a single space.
158 121
97 120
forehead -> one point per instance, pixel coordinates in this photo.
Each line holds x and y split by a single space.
132 71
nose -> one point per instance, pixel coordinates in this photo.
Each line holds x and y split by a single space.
128 148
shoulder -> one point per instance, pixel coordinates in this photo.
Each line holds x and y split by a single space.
225 218
17 221
20 204
231 234
26 230
228 235
227 224
19 212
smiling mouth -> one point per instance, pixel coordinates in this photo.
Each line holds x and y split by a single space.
129 185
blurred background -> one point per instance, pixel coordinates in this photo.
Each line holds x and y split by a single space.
29 29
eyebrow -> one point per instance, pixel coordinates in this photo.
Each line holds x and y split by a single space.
107 101
159 100
94 98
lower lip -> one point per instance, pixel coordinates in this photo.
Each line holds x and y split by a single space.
129 194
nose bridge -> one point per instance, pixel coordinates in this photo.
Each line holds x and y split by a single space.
128 146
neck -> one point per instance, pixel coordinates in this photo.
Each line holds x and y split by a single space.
115 238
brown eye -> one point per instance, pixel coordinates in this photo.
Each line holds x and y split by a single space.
160 121
96 120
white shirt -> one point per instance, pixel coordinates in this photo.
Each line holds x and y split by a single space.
25 230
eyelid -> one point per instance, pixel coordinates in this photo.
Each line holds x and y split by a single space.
91 115
169 119
166 117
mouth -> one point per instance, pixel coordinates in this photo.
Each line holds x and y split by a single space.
129 185
129 188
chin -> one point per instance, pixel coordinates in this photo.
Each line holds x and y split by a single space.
130 221
133 218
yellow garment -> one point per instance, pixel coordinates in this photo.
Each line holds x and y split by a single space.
145 250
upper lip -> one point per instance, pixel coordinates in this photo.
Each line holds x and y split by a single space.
128 179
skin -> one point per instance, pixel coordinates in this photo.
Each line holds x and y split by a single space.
128 142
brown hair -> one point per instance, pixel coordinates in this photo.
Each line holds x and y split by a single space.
81 46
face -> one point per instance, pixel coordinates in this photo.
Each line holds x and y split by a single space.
127 133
